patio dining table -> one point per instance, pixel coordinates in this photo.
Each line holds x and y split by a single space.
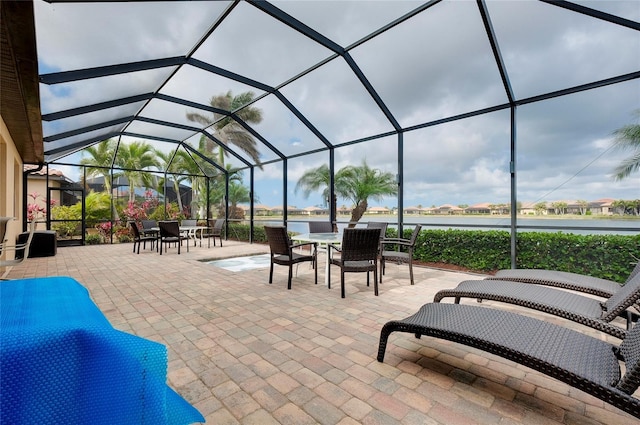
323 239
63 363
191 232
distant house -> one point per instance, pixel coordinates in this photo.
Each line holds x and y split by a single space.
343 211
414 210
602 206
378 210
62 190
313 210
447 209
482 208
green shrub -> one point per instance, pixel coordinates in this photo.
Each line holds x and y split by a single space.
65 228
93 239
609 257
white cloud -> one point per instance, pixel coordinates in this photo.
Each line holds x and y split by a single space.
424 69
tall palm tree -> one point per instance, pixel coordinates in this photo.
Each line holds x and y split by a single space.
319 179
627 138
356 183
132 158
359 183
99 161
217 188
227 130
171 168
238 193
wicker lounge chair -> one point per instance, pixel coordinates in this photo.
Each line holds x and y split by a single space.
282 252
578 308
579 360
358 254
574 281
402 254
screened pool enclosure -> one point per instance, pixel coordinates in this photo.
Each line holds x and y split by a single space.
464 102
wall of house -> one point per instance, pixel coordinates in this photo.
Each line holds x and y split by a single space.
10 184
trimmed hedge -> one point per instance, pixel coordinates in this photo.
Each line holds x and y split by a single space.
605 256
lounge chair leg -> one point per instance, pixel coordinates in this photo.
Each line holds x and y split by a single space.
271 273
342 284
290 276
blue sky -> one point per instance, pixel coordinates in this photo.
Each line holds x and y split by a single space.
424 69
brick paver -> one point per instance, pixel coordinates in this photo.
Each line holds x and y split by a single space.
246 352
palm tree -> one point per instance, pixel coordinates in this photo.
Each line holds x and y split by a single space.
170 168
217 188
627 138
132 158
319 179
227 130
356 183
359 183
238 193
100 161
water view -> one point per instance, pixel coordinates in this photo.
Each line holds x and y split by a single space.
581 226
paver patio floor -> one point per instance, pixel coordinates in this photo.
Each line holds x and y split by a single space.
246 352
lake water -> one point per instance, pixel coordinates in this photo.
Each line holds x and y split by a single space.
580 226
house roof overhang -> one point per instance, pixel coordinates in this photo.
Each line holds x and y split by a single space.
20 94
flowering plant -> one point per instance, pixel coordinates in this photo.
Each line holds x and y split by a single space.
36 209
104 229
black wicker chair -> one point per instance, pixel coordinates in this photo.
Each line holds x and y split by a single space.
214 231
139 238
358 254
150 228
582 309
320 227
567 280
403 252
170 233
282 252
577 359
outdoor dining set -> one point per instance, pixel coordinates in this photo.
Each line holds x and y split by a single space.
166 233
355 250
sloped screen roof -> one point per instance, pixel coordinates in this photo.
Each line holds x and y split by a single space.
425 89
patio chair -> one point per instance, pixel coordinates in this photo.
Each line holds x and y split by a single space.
383 230
574 281
282 252
320 227
582 361
213 231
21 250
3 229
358 254
403 252
189 223
585 310
141 239
170 233
149 228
